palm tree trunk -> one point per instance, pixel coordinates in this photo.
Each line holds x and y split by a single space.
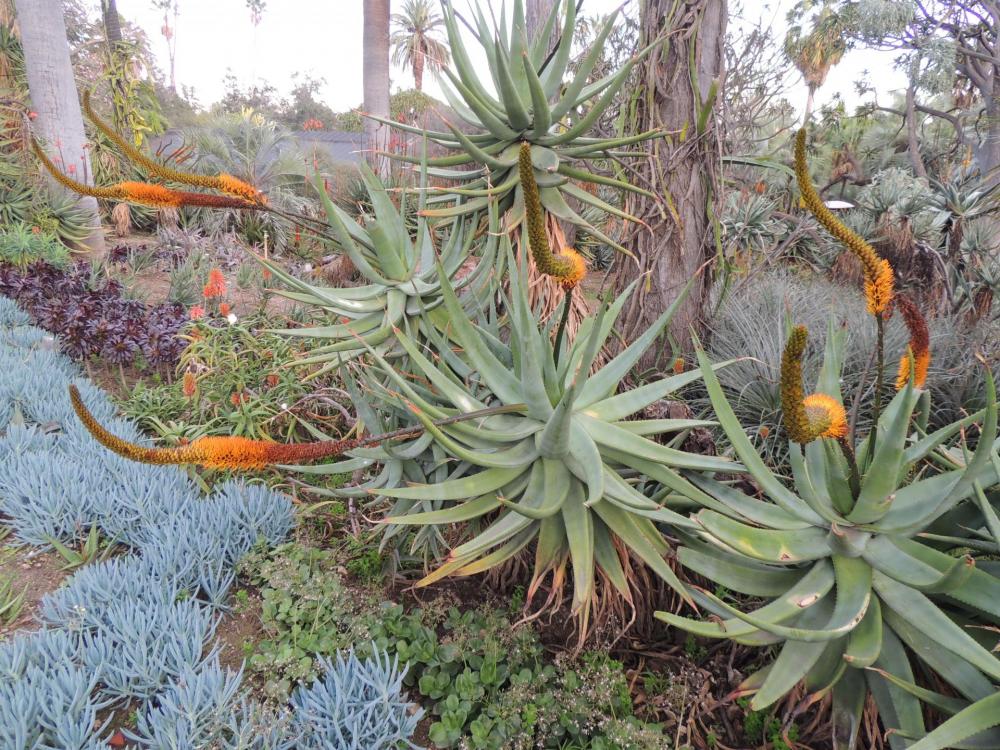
54 96
376 81
418 71
810 99
675 92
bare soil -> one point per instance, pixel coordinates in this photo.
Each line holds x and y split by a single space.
34 573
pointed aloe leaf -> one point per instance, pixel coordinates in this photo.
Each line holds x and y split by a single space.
500 555
541 115
480 506
499 378
982 715
581 75
854 588
793 663
630 531
458 489
926 445
882 478
929 618
811 587
865 642
897 708
767 545
580 538
606 557
552 76
849 695
737 573
586 462
780 494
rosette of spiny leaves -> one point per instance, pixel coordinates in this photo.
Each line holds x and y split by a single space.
402 288
535 103
556 473
861 591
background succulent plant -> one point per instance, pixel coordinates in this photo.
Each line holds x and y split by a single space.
402 288
534 104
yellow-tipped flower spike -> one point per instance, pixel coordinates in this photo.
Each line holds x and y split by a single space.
877 271
792 396
568 267
225 183
919 348
827 417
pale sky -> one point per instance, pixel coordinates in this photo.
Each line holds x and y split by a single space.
324 39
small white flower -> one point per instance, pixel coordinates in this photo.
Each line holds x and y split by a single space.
284 407
232 318
308 267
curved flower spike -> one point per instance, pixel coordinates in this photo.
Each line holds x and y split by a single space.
225 183
239 453
919 348
143 193
877 271
568 267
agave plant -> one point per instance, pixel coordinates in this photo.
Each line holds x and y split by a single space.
403 289
859 583
534 105
558 471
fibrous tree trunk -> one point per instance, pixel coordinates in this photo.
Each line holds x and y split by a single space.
112 22
535 14
676 92
54 96
376 81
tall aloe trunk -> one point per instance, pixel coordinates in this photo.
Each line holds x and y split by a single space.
676 92
54 96
376 80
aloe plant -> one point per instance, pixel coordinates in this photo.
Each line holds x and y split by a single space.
557 471
534 104
859 583
402 289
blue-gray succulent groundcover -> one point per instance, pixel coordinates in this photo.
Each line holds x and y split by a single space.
140 627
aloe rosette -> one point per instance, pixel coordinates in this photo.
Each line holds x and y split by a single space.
557 470
402 290
535 102
861 594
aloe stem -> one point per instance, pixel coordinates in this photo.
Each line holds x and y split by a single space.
567 303
855 477
880 371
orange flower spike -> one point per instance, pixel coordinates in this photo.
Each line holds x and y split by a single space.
919 347
233 453
69 183
877 271
225 183
143 193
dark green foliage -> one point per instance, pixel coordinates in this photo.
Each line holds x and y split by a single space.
485 682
